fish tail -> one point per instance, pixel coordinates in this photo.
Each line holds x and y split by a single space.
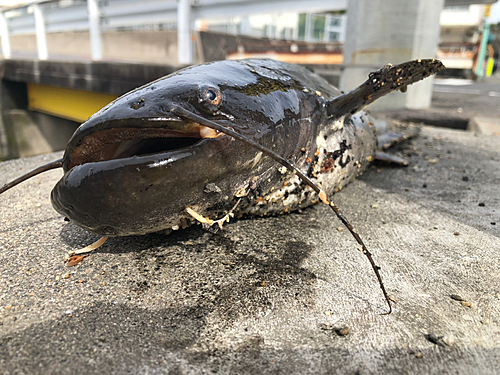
387 79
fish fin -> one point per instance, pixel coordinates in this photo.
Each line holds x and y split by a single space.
209 225
88 248
382 82
390 158
198 217
397 133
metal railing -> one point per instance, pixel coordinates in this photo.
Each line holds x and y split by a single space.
52 16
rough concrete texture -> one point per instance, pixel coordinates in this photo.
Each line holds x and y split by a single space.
267 295
484 125
28 133
25 135
139 45
371 42
99 76
455 106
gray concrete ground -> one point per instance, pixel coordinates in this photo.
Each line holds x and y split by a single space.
268 295
455 102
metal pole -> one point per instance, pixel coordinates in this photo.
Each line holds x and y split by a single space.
326 32
308 30
41 36
95 31
274 26
482 49
295 35
184 42
4 32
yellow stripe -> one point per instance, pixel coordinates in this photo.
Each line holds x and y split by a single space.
75 105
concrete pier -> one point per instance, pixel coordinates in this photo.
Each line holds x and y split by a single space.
390 31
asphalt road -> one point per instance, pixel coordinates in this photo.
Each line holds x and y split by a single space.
268 295
467 97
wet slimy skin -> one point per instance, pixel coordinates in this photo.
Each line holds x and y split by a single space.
134 167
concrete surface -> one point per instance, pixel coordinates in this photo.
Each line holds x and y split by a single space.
266 295
100 76
160 47
29 133
395 31
26 137
455 102
139 45
484 125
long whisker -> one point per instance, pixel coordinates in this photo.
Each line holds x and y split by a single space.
34 172
181 112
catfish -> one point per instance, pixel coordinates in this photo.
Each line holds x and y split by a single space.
211 141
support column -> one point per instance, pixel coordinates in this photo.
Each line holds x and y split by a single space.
4 33
390 31
245 27
308 32
95 30
184 42
41 36
295 35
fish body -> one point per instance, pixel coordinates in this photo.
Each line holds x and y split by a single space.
134 167
151 160
202 144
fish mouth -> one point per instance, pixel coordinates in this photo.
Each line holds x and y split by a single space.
134 141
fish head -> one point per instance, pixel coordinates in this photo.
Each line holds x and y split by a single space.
134 166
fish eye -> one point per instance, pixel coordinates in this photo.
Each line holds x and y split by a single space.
211 95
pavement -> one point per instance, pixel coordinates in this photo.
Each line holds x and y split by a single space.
268 295
282 295
456 103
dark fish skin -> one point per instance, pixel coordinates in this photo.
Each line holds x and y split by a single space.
147 189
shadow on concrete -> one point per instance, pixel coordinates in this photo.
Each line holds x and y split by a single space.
260 263
253 299
176 340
